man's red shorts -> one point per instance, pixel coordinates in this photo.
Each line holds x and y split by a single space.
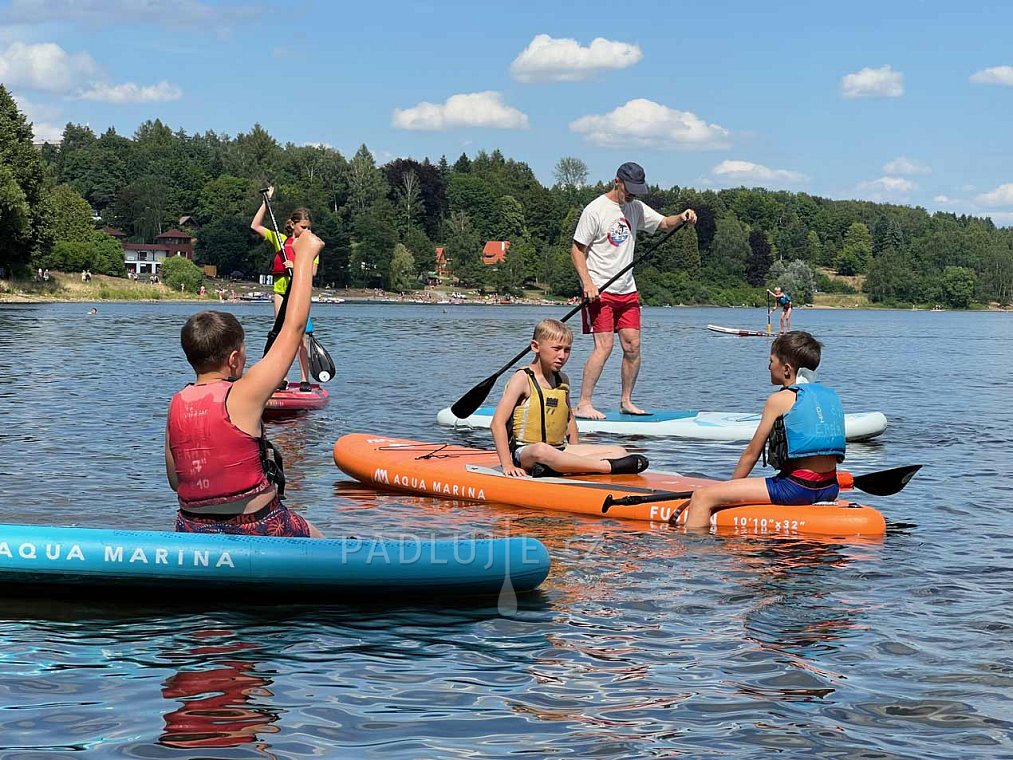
611 313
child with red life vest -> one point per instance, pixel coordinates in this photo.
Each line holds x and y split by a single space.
227 476
281 268
534 429
803 429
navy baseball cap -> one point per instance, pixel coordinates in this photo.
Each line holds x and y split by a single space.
632 176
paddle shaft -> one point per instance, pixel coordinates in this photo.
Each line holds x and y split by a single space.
470 401
279 320
881 483
769 329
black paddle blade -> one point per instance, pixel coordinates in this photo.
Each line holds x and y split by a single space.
627 501
321 364
472 400
886 482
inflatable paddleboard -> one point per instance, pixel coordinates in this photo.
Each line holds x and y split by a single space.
739 332
456 472
705 426
268 569
293 400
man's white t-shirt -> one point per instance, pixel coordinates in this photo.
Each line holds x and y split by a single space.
609 231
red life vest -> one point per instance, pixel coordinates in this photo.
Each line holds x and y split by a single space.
286 253
216 462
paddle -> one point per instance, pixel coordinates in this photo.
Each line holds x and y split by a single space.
886 482
466 405
769 329
882 483
321 364
279 320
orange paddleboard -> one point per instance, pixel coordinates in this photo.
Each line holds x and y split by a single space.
457 472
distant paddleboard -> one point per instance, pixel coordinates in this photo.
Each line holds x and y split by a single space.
292 400
704 426
739 332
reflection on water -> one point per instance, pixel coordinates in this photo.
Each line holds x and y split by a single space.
644 641
221 704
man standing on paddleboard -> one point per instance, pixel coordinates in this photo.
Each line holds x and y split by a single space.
603 246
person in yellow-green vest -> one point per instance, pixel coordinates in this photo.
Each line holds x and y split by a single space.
534 429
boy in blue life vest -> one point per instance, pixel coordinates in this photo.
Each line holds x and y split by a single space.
803 429
534 429
783 300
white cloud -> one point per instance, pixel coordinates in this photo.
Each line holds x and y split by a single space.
645 123
45 66
475 109
128 92
176 13
996 75
42 116
905 166
883 82
887 189
547 59
758 174
1001 196
944 199
1001 218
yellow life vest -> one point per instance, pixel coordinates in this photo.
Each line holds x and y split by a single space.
543 416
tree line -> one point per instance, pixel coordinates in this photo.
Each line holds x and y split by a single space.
383 223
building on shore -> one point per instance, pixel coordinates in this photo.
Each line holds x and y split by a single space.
145 259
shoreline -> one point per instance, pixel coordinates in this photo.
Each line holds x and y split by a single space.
66 289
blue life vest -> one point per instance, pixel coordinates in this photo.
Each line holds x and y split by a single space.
814 426
784 300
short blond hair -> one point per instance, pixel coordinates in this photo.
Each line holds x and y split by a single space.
550 329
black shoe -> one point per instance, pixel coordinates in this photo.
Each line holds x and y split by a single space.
541 471
283 385
630 464
305 387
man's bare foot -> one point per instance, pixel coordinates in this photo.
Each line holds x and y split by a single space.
587 412
632 409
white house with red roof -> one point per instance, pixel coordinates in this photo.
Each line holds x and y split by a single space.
146 258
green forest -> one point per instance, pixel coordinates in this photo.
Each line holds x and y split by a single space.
382 223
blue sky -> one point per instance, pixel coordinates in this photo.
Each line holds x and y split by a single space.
908 101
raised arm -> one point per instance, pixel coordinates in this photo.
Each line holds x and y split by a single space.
251 392
257 225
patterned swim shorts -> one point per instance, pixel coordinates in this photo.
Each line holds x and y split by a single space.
273 520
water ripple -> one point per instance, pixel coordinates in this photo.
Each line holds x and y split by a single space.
643 642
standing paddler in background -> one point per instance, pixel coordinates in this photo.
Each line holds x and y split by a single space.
284 261
782 300
603 246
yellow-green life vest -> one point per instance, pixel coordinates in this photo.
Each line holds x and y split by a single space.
543 416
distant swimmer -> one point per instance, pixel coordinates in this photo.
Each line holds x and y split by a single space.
92 311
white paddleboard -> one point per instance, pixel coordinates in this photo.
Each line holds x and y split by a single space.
705 426
738 331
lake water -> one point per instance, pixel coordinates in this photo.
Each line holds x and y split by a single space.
642 642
